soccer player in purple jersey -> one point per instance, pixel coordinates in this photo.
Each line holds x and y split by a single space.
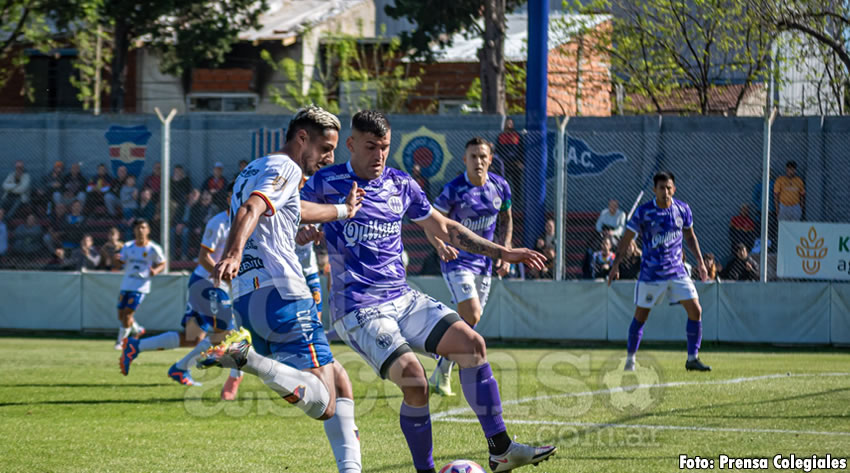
283 342
380 317
662 225
481 202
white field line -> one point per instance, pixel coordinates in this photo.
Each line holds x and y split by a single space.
452 413
466 420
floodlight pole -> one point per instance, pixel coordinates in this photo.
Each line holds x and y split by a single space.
769 116
165 186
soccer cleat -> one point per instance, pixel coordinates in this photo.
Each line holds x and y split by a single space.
696 365
630 365
440 384
519 455
231 386
120 345
130 350
233 350
182 376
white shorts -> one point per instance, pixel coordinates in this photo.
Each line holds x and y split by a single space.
465 285
649 294
382 333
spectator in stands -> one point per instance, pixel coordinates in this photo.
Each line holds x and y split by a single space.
74 184
549 252
56 226
59 262
630 264
217 183
28 237
147 208
424 183
790 192
549 233
4 236
51 186
613 218
742 267
16 189
112 198
154 181
181 230
742 229
242 164
603 259
111 248
591 244
509 149
129 199
86 256
711 267
99 187
74 226
181 185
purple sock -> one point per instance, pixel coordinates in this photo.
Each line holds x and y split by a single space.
694 331
482 393
635 334
416 427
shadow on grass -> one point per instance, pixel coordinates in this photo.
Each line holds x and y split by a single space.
83 385
92 402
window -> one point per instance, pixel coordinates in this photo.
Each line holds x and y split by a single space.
222 103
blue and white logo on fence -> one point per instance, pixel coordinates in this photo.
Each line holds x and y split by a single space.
264 141
127 146
583 161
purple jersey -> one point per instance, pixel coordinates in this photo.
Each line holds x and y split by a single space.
476 208
365 251
661 233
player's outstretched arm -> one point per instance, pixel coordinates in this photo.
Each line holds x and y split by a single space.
445 252
504 235
312 212
622 248
465 239
691 239
244 222
157 268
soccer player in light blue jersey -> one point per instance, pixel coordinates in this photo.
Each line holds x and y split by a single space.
283 341
481 202
662 225
379 316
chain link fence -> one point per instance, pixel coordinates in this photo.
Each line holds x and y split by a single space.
607 163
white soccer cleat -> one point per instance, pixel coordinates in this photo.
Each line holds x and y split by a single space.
518 455
440 384
630 365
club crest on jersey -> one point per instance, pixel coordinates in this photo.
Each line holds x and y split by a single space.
395 204
497 203
466 288
278 183
250 263
678 222
384 340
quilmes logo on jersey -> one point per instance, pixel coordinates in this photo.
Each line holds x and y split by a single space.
479 224
355 232
665 238
127 146
425 148
811 249
583 161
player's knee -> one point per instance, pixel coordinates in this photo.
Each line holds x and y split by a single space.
479 348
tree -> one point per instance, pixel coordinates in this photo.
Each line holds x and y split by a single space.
365 75
22 23
186 34
437 21
515 76
657 47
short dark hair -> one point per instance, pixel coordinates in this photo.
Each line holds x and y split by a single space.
178 166
791 164
478 141
315 120
739 246
140 221
371 121
662 176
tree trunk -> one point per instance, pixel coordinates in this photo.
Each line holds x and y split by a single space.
121 40
492 56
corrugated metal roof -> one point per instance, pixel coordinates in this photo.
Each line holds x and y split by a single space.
288 18
516 36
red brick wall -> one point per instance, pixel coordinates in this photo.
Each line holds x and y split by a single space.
222 80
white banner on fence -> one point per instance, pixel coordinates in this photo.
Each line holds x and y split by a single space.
814 250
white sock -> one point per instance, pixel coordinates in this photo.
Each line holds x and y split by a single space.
136 326
344 437
445 365
234 373
692 357
122 333
165 341
185 363
301 388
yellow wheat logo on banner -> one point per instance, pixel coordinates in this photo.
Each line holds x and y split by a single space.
811 251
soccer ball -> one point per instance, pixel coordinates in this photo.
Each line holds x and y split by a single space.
462 466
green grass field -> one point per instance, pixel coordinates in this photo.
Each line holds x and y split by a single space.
65 407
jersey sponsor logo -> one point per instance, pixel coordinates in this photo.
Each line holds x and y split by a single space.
665 238
355 232
479 224
248 172
497 203
366 314
338 177
394 203
250 263
250 244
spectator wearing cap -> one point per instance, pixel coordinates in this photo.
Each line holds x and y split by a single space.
790 192
16 189
215 184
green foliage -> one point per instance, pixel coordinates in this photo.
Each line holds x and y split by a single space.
364 74
87 29
23 24
656 47
515 76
